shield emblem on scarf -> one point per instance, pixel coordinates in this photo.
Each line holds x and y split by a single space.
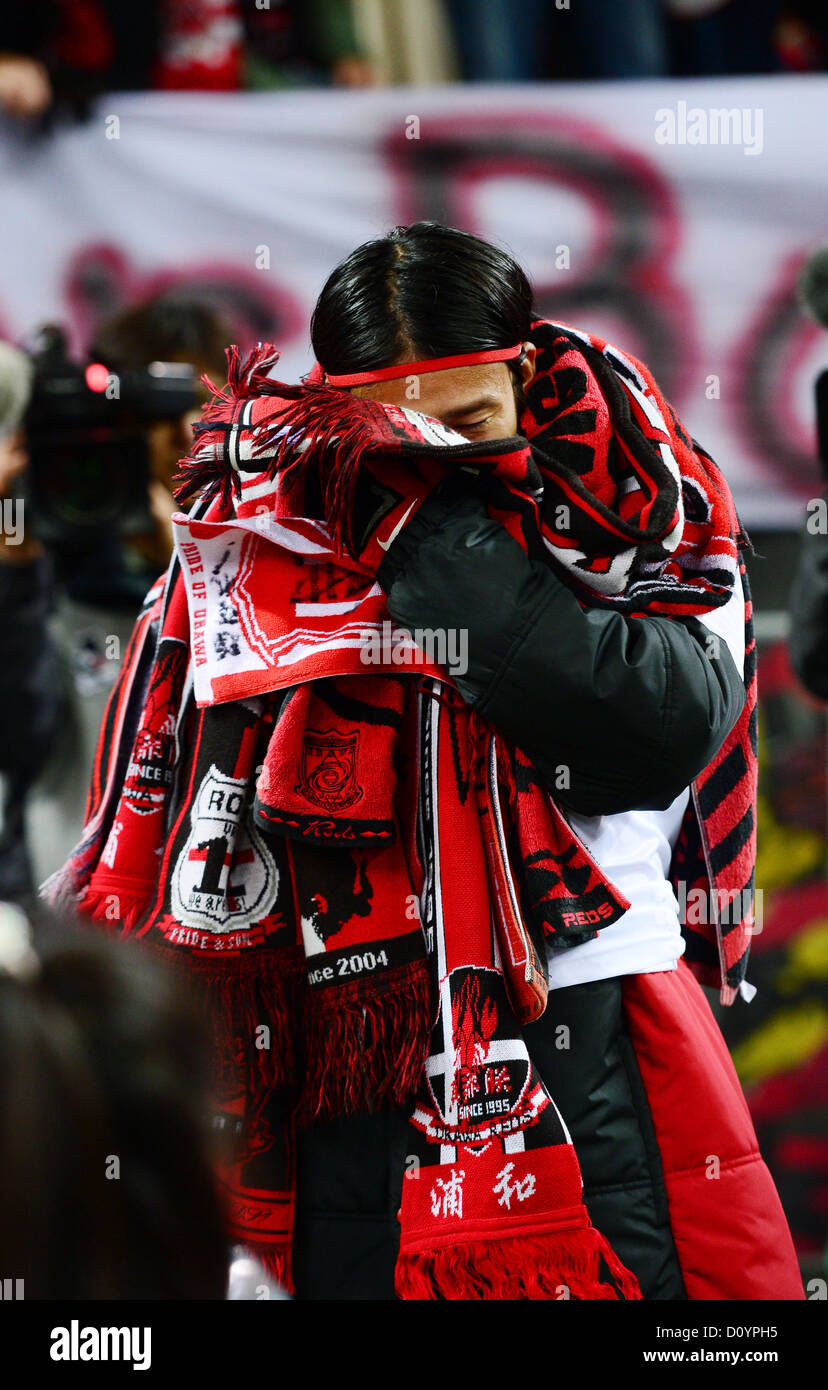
225 877
329 769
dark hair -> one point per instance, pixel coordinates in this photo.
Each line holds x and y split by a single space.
171 327
421 291
102 1060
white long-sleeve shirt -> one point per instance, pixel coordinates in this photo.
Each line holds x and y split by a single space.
634 849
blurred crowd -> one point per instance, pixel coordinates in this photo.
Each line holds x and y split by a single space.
107 560
106 1142
59 54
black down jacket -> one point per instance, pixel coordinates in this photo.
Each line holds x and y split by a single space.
634 708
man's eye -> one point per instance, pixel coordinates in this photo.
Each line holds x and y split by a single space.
473 425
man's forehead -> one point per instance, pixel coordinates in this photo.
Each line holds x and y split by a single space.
454 392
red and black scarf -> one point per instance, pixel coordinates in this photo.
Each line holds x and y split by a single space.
357 871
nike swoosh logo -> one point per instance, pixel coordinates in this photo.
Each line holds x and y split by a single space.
383 545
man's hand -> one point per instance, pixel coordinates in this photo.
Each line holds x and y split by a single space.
13 460
454 499
353 72
15 549
631 708
162 506
25 88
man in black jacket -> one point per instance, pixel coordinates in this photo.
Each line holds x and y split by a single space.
631 709
638 721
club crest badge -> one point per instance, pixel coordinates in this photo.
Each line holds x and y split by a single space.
150 770
479 1084
225 877
328 775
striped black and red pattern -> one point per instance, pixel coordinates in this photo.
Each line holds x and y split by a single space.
714 865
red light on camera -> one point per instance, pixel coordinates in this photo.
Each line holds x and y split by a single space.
97 377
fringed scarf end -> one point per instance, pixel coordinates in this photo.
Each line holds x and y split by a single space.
364 1052
329 429
317 424
276 1261
577 1264
119 910
206 468
250 1008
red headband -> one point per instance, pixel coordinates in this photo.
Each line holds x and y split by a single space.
434 364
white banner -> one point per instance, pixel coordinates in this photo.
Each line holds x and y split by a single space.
671 217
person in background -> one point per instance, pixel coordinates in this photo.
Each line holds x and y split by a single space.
115 572
407 45
664 38
295 42
801 36
808 598
31 702
721 38
808 609
505 41
107 1189
168 328
498 41
55 53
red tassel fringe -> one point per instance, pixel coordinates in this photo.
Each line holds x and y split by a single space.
334 427
276 1260
363 1052
359 1051
554 1266
99 905
236 997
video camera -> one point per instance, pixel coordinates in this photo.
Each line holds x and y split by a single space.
86 439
